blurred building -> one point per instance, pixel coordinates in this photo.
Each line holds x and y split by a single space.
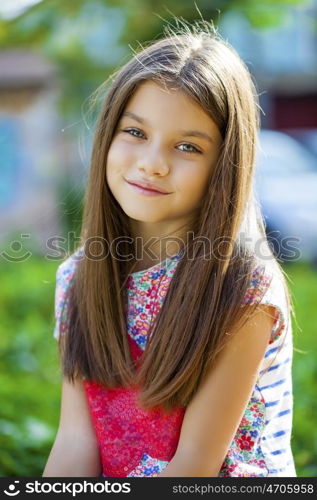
29 147
284 62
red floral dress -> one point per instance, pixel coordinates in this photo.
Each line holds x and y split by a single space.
138 442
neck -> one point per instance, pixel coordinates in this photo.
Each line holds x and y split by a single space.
154 242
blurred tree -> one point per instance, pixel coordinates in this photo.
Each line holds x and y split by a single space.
87 39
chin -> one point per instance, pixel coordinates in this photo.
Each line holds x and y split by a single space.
142 215
143 218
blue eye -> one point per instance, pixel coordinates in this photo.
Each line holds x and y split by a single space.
131 131
193 149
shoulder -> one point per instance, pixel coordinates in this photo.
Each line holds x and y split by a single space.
268 287
66 269
64 277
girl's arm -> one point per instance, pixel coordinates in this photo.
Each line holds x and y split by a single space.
75 451
214 414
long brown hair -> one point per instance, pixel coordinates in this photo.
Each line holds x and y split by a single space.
203 302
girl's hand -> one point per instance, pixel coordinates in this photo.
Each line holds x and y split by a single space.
214 414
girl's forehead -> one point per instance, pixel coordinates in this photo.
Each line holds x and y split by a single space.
156 101
157 87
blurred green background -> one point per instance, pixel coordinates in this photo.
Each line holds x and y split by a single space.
30 380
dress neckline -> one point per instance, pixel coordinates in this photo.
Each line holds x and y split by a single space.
159 265
163 264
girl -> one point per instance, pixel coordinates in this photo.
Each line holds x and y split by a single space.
173 316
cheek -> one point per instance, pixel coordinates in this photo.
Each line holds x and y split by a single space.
194 182
119 156
119 161
112 160
112 166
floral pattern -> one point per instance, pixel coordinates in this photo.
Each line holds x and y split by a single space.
245 457
148 466
125 430
139 443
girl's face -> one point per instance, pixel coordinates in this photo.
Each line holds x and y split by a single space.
166 139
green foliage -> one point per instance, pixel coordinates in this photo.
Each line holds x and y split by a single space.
304 287
88 39
30 375
30 378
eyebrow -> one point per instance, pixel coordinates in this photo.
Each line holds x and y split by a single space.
185 133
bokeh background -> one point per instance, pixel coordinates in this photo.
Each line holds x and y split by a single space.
53 55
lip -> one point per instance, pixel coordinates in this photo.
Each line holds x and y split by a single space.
147 187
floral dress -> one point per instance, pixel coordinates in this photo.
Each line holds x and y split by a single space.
135 442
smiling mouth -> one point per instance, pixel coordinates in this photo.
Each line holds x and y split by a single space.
145 190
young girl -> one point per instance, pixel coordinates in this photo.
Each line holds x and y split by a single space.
173 316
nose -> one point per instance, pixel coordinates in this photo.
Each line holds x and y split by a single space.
153 162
